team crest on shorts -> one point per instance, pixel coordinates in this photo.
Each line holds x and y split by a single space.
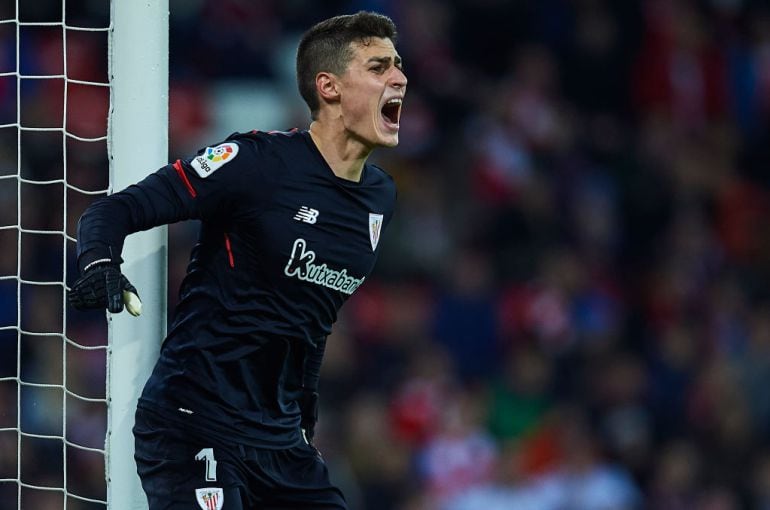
210 498
375 226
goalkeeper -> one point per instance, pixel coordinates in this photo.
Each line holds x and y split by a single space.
290 227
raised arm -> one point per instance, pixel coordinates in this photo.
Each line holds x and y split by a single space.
190 189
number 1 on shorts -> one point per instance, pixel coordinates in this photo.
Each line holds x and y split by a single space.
207 454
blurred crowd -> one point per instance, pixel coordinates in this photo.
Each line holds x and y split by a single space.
572 306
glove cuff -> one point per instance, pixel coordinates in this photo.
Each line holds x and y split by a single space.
96 263
95 256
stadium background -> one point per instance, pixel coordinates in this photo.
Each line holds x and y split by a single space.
571 309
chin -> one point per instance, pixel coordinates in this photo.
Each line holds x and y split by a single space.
390 141
386 136
387 139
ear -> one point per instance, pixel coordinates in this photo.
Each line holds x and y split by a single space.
328 87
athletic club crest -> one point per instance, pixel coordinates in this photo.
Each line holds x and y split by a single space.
210 498
375 227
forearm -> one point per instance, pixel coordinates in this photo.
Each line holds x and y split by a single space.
101 231
312 369
309 399
103 227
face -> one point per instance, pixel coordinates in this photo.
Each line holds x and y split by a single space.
371 91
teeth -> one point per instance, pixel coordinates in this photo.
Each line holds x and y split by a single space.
395 100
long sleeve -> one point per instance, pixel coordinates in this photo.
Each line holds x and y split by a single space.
308 403
313 361
103 227
200 187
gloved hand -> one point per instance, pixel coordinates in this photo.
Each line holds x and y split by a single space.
102 285
308 406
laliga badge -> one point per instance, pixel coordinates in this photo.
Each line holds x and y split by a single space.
214 158
210 498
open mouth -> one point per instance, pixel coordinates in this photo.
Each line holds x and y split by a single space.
391 111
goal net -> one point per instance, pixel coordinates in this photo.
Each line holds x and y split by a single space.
78 80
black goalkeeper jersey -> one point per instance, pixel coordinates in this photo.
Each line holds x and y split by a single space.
283 243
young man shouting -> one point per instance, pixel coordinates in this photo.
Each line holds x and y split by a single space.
290 228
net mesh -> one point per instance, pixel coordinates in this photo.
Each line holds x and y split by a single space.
54 105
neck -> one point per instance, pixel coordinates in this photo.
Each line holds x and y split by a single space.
344 154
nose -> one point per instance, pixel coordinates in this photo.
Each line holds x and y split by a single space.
398 78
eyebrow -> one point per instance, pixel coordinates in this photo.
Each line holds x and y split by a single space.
386 60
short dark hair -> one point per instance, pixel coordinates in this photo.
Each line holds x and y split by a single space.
326 47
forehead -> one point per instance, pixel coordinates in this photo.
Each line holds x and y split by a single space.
372 47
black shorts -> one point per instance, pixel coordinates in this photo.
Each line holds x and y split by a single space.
182 472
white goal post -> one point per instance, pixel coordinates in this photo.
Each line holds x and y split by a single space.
84 93
137 144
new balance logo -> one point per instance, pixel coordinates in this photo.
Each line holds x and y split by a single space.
306 214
